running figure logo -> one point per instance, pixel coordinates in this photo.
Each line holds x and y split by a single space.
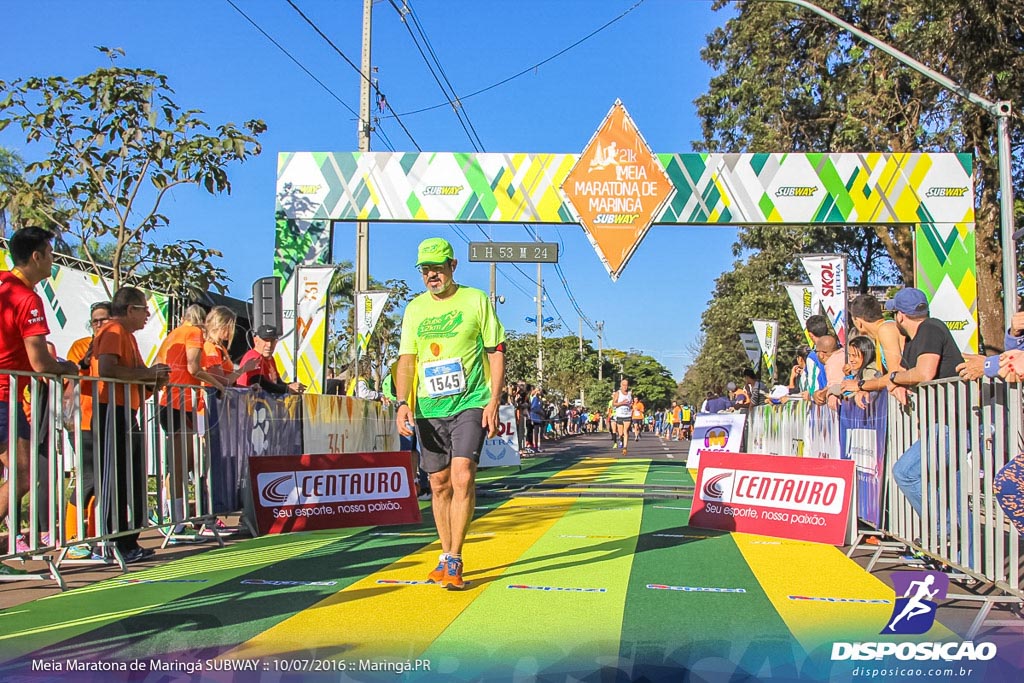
914 612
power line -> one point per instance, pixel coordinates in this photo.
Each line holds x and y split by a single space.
380 132
381 98
467 125
531 68
437 70
291 57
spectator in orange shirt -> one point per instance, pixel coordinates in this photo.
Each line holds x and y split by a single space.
116 356
220 332
182 352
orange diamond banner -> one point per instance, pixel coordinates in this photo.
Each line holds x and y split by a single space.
617 189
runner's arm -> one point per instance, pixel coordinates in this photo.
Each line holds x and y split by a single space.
403 376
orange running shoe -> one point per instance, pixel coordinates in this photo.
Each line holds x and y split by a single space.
437 574
452 579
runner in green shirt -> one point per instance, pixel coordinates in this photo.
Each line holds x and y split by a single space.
448 333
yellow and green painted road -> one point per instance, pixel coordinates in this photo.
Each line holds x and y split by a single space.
609 586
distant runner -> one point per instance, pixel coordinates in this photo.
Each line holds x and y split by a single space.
622 407
638 418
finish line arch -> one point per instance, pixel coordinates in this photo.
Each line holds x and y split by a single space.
932 192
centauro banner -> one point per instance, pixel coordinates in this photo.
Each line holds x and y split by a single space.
773 495
331 491
67 297
828 277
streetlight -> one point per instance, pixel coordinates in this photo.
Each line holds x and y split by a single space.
1000 110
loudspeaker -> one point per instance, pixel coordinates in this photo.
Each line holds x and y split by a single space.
266 303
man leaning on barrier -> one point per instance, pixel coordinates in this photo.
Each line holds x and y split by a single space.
931 353
267 375
23 331
1009 481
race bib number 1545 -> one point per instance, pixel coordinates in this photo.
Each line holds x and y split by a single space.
444 377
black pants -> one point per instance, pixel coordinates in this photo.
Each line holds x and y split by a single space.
123 473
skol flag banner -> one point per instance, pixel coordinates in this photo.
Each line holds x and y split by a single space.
311 325
503 449
369 306
67 296
752 349
828 277
805 303
767 332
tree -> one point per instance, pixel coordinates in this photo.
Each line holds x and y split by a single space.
10 168
116 144
786 80
751 290
649 380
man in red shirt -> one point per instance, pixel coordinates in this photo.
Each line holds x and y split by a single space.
23 331
266 375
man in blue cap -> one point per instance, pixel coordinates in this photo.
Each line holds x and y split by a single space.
930 354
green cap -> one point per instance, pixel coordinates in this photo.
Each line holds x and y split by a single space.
434 250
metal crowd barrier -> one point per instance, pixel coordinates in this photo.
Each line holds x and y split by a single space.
123 457
107 472
967 431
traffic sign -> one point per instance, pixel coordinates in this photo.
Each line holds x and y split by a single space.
514 252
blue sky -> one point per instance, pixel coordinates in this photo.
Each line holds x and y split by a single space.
217 61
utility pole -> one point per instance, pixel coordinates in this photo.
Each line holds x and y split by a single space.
540 327
581 338
600 349
362 227
583 397
494 285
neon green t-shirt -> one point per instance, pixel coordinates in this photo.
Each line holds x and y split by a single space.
448 338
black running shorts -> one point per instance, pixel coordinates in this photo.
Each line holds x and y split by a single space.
443 438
